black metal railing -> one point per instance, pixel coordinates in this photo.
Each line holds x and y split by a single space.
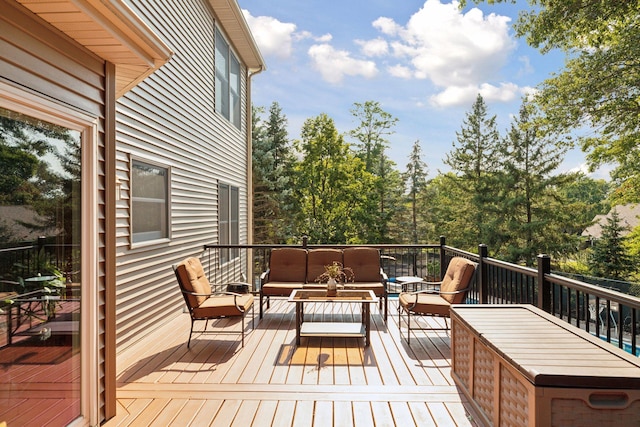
608 314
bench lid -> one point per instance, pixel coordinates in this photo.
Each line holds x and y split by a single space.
547 350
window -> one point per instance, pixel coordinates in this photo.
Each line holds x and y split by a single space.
149 202
227 81
228 219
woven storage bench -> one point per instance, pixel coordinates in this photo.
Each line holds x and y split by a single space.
520 366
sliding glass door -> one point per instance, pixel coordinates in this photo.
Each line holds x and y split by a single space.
40 271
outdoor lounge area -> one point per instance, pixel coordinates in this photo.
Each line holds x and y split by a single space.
271 381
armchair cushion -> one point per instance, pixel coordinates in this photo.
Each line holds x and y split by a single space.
224 305
192 277
425 303
457 278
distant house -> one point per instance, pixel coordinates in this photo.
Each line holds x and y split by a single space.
159 94
629 217
24 224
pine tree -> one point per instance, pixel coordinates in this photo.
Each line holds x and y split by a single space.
535 215
416 182
272 177
474 163
609 257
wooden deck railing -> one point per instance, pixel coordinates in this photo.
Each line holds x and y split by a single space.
608 314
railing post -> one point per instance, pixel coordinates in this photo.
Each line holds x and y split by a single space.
544 287
482 275
443 267
305 241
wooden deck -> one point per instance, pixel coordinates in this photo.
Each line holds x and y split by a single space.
271 382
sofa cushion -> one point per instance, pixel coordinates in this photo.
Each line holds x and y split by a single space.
280 289
365 263
376 287
288 265
318 258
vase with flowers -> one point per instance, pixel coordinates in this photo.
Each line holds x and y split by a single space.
335 273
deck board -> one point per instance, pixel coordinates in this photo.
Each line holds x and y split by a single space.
270 381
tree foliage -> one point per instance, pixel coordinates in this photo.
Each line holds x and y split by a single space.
609 257
331 185
535 214
598 91
374 124
473 162
415 179
273 163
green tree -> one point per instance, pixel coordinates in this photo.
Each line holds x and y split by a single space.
609 257
589 196
273 162
446 203
416 183
332 185
473 163
599 87
370 134
536 216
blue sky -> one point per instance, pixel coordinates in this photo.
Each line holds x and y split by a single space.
423 61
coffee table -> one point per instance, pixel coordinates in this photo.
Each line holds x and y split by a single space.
333 329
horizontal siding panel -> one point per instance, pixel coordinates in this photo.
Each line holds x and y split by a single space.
170 118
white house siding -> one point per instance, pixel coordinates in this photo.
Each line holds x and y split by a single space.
170 119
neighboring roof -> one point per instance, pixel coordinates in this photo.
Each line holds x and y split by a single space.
628 215
17 219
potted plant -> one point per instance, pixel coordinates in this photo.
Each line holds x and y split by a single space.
335 273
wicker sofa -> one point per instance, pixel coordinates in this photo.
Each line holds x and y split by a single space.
296 268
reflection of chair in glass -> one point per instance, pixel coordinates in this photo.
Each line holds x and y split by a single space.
437 302
203 304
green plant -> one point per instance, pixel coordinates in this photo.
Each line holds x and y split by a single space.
337 272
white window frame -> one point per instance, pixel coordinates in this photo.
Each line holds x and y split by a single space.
158 236
229 228
227 84
30 104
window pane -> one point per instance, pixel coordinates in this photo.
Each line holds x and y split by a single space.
234 91
222 75
235 220
149 185
40 234
223 220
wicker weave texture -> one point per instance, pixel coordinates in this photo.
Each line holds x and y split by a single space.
462 350
483 384
576 413
514 407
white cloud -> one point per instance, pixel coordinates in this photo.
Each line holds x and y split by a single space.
527 68
457 51
272 36
466 95
324 39
334 64
375 47
386 26
400 71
